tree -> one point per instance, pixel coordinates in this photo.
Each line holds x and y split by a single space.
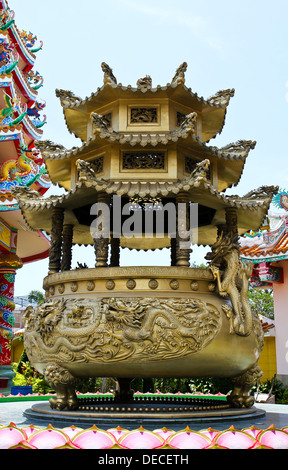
262 302
35 296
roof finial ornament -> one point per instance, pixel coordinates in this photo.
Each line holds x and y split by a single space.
241 147
179 77
47 147
67 98
188 124
145 82
99 121
109 77
222 97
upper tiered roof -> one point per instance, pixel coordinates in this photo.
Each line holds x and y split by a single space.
146 142
212 110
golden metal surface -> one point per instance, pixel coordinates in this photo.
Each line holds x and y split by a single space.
128 322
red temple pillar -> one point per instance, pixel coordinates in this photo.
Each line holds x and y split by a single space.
9 263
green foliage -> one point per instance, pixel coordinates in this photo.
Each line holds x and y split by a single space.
19 379
26 374
261 302
90 385
35 296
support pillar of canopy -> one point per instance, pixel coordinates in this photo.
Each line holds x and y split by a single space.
183 242
101 243
115 252
67 247
55 252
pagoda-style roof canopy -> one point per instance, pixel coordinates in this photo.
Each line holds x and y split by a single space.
144 144
77 202
230 160
212 110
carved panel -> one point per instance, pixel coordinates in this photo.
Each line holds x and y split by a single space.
143 160
143 115
97 164
118 329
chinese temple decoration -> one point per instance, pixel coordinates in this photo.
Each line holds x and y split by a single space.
21 111
116 438
21 163
266 247
8 266
280 199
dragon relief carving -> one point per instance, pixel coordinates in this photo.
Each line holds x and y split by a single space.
47 147
179 77
112 330
188 123
232 277
241 146
67 98
199 175
86 172
109 77
99 121
222 97
145 82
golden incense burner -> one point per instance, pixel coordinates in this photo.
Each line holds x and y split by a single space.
145 149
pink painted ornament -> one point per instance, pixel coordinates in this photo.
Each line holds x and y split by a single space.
252 431
94 438
29 430
188 439
72 431
118 432
10 436
48 438
210 433
235 439
164 433
274 438
141 439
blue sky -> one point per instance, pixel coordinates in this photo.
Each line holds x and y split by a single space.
241 45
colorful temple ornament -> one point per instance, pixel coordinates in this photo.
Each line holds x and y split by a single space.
267 253
33 437
21 165
280 200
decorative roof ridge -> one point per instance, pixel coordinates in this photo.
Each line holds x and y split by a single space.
70 101
234 151
16 36
26 84
220 99
30 199
29 124
261 193
21 42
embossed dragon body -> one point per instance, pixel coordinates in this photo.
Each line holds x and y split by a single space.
60 334
232 278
